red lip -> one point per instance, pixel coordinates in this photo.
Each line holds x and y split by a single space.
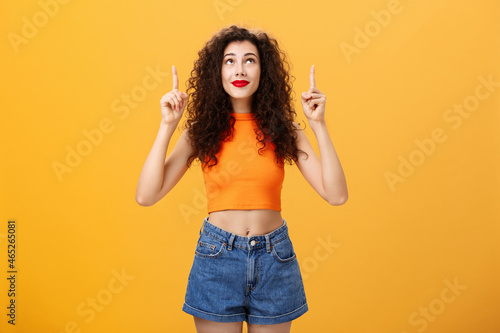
240 83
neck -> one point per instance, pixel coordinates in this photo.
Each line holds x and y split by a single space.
241 105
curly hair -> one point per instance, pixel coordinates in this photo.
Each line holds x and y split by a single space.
209 121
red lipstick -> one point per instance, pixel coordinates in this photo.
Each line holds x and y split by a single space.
240 83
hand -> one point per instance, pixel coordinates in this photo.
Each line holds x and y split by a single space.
313 102
173 103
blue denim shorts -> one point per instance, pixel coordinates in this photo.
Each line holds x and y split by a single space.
235 278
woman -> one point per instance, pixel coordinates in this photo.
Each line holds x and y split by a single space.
240 127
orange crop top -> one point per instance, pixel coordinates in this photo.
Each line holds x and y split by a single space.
243 179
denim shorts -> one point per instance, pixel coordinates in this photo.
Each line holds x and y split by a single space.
256 279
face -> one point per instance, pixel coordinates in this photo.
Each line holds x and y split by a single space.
240 63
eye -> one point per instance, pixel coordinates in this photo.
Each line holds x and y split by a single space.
251 59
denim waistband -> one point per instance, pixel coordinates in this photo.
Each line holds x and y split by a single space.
251 242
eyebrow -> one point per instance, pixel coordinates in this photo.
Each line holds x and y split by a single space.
232 54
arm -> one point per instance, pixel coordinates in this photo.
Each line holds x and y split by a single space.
159 176
325 175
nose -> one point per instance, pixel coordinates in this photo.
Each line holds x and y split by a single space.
239 70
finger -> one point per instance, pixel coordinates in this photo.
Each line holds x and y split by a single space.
309 94
175 78
312 80
312 104
182 95
179 97
165 100
174 102
315 100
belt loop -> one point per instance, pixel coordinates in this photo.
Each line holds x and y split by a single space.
268 243
201 228
230 242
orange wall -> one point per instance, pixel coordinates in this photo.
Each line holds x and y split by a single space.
410 111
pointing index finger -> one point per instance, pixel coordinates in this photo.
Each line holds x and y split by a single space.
175 78
311 78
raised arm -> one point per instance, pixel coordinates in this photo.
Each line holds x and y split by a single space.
325 175
160 175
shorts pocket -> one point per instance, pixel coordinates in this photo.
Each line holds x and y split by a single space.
283 250
209 247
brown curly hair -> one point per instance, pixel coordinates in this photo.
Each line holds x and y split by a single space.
208 111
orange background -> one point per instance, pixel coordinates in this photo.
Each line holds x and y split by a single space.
415 248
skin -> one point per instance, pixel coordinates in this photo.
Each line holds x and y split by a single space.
241 62
160 175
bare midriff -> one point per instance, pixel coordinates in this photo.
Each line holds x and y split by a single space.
254 222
